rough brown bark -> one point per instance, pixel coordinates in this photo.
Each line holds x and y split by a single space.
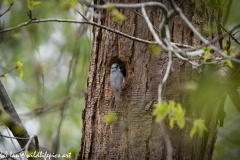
136 135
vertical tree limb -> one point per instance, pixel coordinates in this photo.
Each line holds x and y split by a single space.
11 119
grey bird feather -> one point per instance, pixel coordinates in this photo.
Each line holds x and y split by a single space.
116 81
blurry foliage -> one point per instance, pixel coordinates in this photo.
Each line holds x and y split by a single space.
117 16
198 127
32 4
227 145
176 113
110 118
155 49
207 53
228 140
56 61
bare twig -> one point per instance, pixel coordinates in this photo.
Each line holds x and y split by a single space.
160 43
194 30
162 125
30 141
82 22
12 137
167 141
170 13
85 18
150 26
7 9
133 5
29 13
230 34
189 48
2 75
215 40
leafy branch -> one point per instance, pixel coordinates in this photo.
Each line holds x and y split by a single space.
19 66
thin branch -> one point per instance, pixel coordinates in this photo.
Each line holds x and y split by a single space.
7 9
189 48
150 26
160 43
132 5
81 22
230 34
12 137
168 67
215 40
167 141
162 125
85 18
2 75
30 141
194 30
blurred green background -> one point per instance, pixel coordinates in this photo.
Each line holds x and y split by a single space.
228 140
55 58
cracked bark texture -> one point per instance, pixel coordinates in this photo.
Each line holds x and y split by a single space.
136 135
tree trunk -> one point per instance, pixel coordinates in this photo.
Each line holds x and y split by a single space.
136 135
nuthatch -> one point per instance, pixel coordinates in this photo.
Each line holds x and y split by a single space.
116 81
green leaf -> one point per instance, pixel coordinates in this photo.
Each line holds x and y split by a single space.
179 114
171 106
225 52
37 3
198 127
30 4
19 65
179 107
110 7
181 122
4 118
232 50
161 111
110 118
73 3
171 122
118 16
207 54
229 63
193 131
155 49
201 127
